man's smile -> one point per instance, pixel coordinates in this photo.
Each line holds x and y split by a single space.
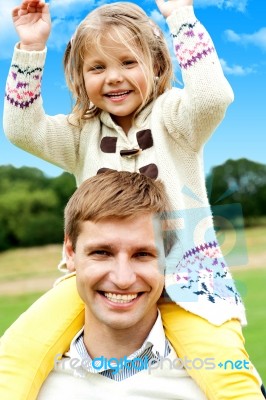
120 298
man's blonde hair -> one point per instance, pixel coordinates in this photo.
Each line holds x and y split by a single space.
129 24
115 194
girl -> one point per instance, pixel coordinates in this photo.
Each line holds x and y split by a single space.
127 117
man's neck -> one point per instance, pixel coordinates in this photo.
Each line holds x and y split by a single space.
107 342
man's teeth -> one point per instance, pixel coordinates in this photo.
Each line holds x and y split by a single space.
120 298
117 94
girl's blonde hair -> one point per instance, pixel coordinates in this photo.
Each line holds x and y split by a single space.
133 28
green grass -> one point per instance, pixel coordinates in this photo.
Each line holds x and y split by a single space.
251 283
244 248
29 262
11 307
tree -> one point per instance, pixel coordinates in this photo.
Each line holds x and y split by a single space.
31 206
239 181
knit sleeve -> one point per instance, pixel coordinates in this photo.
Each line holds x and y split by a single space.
51 138
194 111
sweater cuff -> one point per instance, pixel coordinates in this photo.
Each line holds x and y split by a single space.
26 58
179 17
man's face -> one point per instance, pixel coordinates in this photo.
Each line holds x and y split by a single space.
120 275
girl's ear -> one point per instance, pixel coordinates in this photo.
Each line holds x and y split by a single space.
70 254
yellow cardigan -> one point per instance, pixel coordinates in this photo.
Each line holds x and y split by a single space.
30 345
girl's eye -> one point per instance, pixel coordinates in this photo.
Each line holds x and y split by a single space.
97 68
129 63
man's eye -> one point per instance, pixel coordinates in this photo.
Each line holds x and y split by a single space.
100 253
143 254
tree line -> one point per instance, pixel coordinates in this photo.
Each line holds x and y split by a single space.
32 204
240 182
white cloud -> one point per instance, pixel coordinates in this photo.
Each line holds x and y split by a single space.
69 8
67 3
62 30
157 17
237 70
66 16
256 39
8 36
239 5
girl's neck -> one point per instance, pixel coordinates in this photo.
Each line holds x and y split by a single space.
125 122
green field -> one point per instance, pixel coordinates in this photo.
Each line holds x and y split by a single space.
252 284
39 265
12 306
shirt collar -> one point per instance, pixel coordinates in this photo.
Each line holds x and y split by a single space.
156 339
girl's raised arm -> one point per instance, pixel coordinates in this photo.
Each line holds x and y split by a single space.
194 111
33 24
166 7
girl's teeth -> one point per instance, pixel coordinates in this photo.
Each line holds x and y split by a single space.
120 298
117 94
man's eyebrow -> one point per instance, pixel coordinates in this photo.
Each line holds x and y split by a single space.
108 247
147 249
97 246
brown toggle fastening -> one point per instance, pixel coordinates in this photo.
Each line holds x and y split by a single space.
130 152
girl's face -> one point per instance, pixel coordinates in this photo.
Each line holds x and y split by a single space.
115 81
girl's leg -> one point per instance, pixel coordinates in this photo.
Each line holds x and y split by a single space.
205 348
41 335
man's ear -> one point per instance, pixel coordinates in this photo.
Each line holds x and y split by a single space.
70 254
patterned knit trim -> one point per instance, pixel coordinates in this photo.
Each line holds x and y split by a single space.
201 248
22 104
185 26
194 59
203 273
187 57
18 92
26 71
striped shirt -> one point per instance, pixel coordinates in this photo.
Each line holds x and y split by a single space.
154 348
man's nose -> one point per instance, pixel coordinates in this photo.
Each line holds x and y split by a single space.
114 75
123 274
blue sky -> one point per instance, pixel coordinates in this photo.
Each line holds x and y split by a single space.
238 29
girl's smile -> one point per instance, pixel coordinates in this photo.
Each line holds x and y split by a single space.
118 95
115 81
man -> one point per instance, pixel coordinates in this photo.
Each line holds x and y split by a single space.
114 243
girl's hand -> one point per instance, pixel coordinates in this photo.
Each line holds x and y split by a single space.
166 7
33 24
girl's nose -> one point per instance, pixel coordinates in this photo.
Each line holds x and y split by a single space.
114 75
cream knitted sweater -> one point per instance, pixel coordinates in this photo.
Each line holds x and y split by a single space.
170 132
162 383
